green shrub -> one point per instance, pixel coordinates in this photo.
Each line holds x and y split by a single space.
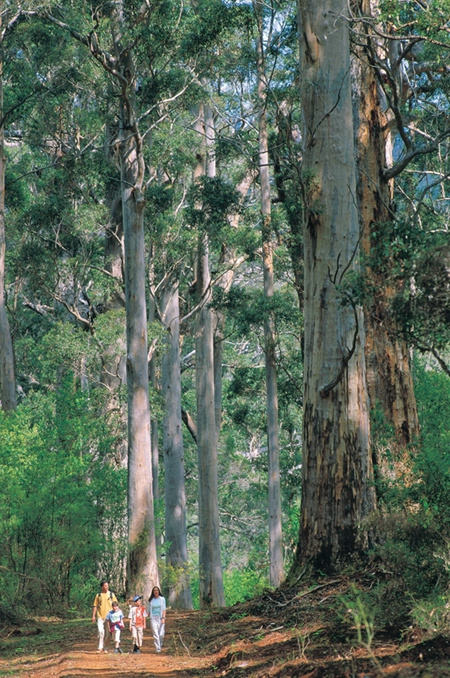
413 554
241 585
62 508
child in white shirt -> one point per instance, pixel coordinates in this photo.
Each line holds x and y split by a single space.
116 624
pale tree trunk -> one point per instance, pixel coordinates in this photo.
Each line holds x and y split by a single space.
211 584
174 486
218 325
389 377
154 383
211 590
113 375
7 371
337 474
275 528
142 565
142 570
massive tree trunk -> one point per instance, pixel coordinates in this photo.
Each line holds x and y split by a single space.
7 372
210 565
174 487
389 378
274 492
337 490
142 566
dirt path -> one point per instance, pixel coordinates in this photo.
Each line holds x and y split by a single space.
78 656
293 635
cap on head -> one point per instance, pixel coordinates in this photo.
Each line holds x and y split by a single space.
136 598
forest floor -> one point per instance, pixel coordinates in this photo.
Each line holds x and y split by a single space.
278 635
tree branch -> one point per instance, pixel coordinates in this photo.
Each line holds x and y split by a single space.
394 171
190 424
326 390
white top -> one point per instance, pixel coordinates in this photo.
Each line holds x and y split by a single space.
157 606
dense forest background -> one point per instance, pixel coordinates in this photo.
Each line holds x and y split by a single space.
188 123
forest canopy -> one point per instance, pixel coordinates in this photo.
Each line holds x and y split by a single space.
224 298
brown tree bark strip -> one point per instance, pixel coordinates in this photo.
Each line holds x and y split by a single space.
389 377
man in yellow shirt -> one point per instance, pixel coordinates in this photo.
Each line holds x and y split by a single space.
102 605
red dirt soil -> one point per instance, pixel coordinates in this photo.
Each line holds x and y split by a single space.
280 635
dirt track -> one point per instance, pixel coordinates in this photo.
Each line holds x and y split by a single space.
78 657
283 635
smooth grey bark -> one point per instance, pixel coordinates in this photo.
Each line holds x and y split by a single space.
7 372
211 590
274 490
211 584
142 565
337 474
179 596
114 369
152 372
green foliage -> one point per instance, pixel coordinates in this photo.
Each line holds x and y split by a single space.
241 585
412 558
212 200
58 500
431 614
432 464
360 609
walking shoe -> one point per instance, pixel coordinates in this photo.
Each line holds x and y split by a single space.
138 651
116 650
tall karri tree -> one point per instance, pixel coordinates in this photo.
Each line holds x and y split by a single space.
337 489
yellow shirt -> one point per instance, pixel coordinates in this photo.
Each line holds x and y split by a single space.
103 602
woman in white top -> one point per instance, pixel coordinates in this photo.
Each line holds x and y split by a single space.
157 614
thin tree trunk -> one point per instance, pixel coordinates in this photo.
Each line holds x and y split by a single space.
174 486
274 498
7 371
337 489
228 261
211 590
114 369
292 200
154 384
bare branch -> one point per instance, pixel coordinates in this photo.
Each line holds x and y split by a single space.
190 424
413 154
